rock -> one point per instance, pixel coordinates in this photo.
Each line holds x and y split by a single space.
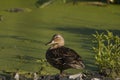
35 76
117 79
1 17
2 77
46 4
96 79
16 77
77 76
15 10
97 4
24 78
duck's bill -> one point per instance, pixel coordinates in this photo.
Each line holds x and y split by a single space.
49 43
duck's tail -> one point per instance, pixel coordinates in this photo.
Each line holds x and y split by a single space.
77 65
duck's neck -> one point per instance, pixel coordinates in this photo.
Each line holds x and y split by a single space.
56 46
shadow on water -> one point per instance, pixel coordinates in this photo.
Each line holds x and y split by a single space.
25 48
90 63
26 57
20 38
85 30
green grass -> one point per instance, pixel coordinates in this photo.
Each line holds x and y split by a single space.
25 33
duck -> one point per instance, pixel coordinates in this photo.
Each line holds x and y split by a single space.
61 57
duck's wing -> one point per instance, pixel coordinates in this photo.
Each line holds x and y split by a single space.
71 58
66 57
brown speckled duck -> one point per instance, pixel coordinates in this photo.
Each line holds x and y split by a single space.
62 57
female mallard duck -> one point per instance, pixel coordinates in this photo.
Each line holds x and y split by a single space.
62 57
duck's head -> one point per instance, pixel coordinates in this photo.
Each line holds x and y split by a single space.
56 41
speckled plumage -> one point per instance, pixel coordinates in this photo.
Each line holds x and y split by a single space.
62 57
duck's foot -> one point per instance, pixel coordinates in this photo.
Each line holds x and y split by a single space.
62 74
61 77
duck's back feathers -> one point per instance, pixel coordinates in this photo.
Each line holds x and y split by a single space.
63 58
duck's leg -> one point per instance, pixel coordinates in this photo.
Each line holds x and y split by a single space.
62 73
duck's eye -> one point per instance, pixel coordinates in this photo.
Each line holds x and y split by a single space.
56 37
